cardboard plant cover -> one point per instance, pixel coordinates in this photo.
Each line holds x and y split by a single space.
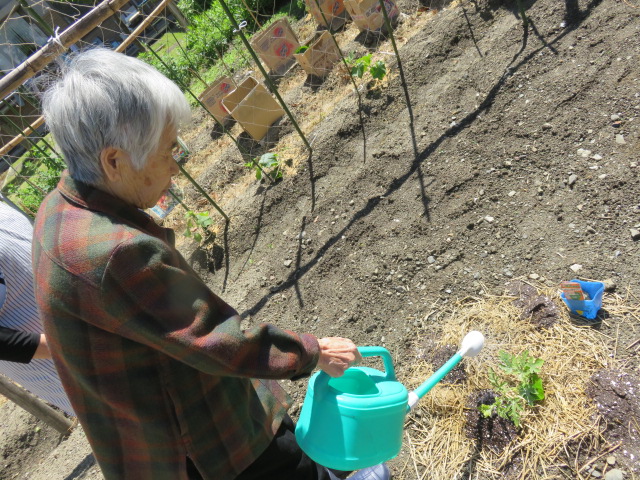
275 46
319 58
213 95
253 107
367 14
333 10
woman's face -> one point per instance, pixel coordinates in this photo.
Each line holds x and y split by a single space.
143 188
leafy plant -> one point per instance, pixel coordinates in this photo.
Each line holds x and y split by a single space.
302 49
198 222
267 164
378 70
362 65
41 173
522 387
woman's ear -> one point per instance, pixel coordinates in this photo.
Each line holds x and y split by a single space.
112 161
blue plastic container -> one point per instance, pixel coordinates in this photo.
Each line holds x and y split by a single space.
586 308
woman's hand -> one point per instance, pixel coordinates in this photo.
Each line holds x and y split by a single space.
43 348
336 355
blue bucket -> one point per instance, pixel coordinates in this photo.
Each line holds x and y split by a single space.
586 308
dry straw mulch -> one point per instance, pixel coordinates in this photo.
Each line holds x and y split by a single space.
560 438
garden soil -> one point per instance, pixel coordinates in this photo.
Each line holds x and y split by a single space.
517 159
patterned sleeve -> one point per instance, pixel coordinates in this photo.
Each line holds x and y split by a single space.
159 301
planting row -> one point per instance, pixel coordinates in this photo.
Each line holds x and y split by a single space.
249 103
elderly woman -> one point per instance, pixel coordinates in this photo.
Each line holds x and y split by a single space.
165 382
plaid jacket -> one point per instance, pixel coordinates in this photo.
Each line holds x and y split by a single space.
156 366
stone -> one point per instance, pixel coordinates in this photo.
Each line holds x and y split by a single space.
287 263
534 276
615 117
371 328
635 234
596 157
611 460
572 179
576 267
547 126
584 153
489 219
620 139
614 474
609 286
431 259
596 473
512 193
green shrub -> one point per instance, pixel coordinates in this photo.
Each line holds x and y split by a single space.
42 174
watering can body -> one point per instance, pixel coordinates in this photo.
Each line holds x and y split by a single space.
354 421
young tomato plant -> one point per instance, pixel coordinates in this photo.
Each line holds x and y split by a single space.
267 164
198 222
522 387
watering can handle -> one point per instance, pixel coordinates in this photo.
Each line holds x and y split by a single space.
387 361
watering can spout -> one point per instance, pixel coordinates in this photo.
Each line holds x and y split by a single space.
471 345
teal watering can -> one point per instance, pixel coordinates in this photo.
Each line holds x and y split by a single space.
355 421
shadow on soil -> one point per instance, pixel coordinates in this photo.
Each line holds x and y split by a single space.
577 17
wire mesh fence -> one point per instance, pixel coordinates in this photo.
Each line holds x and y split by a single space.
233 59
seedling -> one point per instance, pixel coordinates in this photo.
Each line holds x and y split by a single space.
198 222
268 164
378 70
360 66
522 388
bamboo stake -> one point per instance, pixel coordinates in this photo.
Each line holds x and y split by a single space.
35 406
46 54
140 28
353 80
267 79
197 99
53 49
201 190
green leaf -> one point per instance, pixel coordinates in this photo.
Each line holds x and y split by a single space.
378 70
506 360
365 60
197 237
357 71
533 391
269 160
514 413
258 174
187 233
302 49
487 410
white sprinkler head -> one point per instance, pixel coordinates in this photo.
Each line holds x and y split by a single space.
472 343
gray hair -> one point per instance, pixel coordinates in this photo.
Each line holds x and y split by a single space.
107 99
